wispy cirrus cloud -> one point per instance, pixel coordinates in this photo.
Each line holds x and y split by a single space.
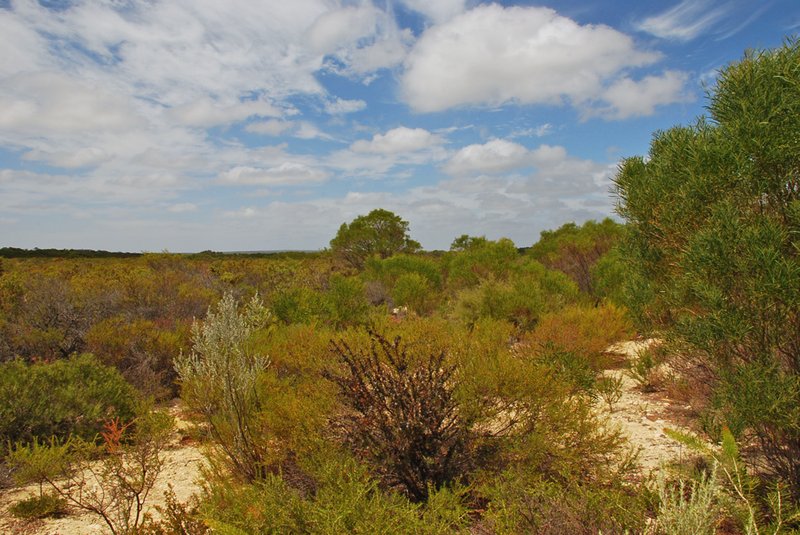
684 21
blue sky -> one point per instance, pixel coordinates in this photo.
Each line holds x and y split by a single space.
249 125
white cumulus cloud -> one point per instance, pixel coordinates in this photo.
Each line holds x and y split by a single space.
397 140
287 173
495 156
439 10
342 106
629 98
206 112
493 55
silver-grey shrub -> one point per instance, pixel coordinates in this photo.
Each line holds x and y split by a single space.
219 379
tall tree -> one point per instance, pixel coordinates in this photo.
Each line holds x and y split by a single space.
380 232
714 238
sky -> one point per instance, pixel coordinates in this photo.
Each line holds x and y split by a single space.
236 125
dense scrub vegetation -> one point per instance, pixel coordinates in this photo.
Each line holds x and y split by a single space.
713 224
374 388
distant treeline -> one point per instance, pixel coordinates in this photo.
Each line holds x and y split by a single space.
16 252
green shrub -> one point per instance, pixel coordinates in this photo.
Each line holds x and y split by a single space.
713 215
609 389
346 302
645 369
532 504
389 270
414 291
584 331
576 250
66 397
297 305
42 506
345 500
482 260
689 509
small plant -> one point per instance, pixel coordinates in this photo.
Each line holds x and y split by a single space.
176 518
45 505
688 509
112 480
645 369
404 417
609 389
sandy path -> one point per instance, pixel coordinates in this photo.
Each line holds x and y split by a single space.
182 466
643 417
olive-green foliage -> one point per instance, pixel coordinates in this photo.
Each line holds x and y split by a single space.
389 270
521 503
482 260
297 305
380 233
713 223
609 389
610 276
528 291
176 518
40 506
346 499
412 281
414 291
67 397
345 302
575 249
645 369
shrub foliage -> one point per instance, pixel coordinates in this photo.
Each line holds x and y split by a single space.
403 416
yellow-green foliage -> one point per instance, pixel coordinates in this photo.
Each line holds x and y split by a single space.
66 397
344 499
481 260
522 298
585 331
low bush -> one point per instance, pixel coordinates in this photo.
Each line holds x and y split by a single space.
346 499
609 389
416 292
297 305
584 331
63 398
403 415
645 369
46 505
346 302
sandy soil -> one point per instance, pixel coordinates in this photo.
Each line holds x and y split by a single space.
182 465
643 417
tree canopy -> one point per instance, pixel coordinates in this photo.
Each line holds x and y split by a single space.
713 240
380 232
